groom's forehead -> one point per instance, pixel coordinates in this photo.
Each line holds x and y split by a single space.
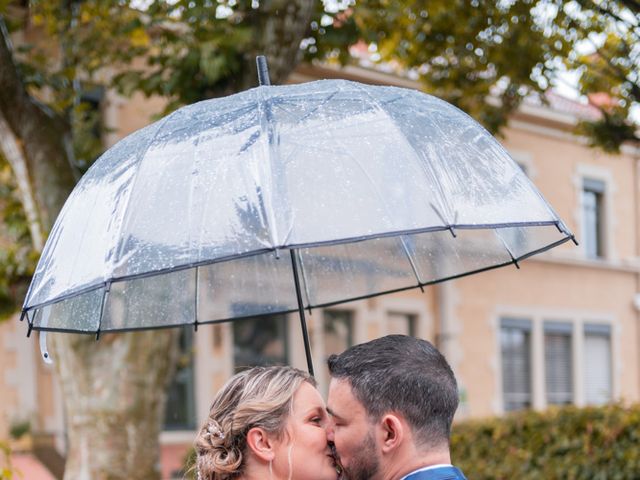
342 400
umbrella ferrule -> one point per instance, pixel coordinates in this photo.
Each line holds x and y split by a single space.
263 70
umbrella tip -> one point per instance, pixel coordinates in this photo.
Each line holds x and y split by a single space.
263 70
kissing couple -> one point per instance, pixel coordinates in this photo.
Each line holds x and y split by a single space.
388 417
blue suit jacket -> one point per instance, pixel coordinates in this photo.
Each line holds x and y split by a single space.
442 473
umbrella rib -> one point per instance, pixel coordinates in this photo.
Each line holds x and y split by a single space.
281 105
196 299
266 210
304 279
105 294
411 261
506 246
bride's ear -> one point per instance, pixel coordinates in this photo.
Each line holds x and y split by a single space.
261 444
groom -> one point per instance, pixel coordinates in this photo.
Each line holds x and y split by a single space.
391 402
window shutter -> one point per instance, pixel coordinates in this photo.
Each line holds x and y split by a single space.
515 343
401 323
597 365
558 363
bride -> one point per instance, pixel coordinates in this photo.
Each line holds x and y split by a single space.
267 423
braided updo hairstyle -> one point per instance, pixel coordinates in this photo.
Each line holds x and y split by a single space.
258 397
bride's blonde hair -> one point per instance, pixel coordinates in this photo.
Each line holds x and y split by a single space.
258 397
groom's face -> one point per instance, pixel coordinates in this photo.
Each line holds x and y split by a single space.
352 433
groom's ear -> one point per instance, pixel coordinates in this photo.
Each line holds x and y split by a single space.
261 444
392 431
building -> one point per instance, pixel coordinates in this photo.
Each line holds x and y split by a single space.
565 328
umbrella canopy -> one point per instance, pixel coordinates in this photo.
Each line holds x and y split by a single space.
350 190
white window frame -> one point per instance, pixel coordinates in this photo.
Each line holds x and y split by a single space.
315 323
578 319
609 222
604 330
526 325
564 327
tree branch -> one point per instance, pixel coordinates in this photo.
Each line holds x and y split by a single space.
44 138
632 5
10 147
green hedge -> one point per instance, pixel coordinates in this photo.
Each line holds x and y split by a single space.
594 443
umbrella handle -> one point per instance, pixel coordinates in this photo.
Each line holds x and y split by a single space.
44 351
46 357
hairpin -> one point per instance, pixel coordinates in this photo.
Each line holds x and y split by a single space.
213 429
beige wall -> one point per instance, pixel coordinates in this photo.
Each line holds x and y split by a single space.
28 391
558 161
8 390
543 291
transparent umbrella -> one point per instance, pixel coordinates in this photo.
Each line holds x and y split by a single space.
280 199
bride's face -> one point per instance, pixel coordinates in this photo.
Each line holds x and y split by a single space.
303 453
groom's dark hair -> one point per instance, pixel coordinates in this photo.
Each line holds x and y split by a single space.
406 375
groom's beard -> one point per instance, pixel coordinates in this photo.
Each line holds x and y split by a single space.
365 465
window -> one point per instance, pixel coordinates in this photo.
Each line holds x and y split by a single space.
558 363
88 125
338 331
597 364
592 213
180 410
402 323
260 341
515 345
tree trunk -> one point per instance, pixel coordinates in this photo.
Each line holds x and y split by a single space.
281 26
114 392
115 388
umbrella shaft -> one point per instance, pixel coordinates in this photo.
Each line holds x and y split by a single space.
303 321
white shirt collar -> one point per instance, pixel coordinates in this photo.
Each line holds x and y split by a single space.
430 467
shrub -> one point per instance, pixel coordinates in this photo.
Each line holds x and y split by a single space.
6 469
565 443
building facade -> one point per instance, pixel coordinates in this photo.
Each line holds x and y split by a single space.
562 329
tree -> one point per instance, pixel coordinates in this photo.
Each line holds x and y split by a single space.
611 29
474 52
470 52
114 388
